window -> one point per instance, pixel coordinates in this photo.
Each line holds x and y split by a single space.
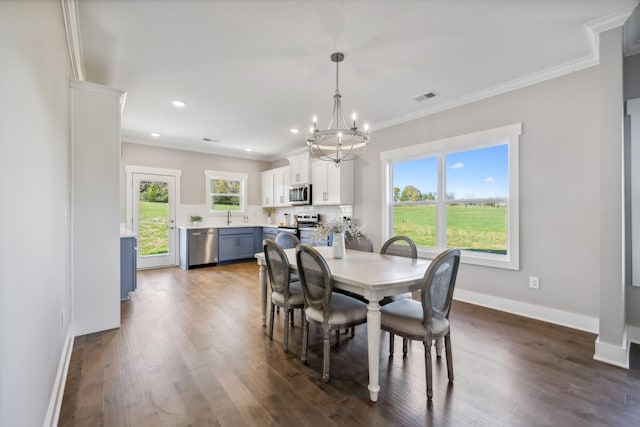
459 192
226 191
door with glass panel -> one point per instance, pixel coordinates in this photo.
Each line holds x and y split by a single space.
154 215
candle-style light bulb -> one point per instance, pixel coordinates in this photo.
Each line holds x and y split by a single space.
315 122
366 127
354 116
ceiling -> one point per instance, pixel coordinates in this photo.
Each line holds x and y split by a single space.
249 71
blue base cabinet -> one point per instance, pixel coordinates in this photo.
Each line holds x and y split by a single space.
237 243
128 266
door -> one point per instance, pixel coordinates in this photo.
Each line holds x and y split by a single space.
154 219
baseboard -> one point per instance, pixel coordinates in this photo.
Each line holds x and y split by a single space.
613 354
53 412
546 314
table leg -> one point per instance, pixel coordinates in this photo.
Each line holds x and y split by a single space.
373 335
262 276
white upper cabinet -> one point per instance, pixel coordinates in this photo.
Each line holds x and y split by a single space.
281 186
332 185
299 167
267 189
275 187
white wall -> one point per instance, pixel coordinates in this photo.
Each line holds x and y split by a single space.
559 191
34 203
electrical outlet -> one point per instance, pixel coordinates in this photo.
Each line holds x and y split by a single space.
534 282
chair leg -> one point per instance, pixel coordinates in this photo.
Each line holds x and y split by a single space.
325 356
305 338
405 342
353 331
271 322
427 366
291 316
286 330
447 349
337 336
391 340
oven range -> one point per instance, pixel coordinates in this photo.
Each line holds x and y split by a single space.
306 223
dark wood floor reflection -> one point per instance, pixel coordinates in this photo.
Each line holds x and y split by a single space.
192 352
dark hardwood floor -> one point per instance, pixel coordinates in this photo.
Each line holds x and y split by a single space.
192 352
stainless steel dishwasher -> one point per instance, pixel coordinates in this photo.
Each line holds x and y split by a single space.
198 246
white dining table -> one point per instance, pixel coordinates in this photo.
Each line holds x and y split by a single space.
371 275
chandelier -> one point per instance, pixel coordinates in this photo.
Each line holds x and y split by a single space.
340 142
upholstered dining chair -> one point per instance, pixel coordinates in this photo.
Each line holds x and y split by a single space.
286 240
400 246
428 319
284 292
323 307
358 243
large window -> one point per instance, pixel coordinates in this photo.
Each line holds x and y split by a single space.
461 192
226 191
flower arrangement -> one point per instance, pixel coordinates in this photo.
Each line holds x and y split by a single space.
268 211
338 226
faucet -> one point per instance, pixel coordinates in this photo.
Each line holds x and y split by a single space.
228 217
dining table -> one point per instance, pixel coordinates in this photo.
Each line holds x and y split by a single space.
371 275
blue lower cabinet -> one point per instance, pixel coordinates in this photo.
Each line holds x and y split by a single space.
128 264
236 243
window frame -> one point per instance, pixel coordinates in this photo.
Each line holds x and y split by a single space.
506 135
213 174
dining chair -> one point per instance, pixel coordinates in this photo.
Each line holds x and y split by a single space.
428 319
284 292
358 243
400 246
286 240
323 307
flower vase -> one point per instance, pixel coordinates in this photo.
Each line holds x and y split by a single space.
338 245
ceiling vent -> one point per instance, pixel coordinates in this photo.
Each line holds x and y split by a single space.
426 96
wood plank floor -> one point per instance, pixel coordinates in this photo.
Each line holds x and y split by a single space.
192 352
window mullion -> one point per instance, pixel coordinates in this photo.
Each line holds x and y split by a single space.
441 213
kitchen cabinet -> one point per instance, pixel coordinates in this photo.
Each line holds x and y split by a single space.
267 188
269 233
275 187
128 266
299 169
237 243
332 185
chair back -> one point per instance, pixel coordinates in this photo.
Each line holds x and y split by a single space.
358 243
400 246
315 278
286 240
439 281
277 266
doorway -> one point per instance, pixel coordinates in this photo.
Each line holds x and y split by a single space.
152 204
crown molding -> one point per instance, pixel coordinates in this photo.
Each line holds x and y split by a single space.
531 79
72 27
592 28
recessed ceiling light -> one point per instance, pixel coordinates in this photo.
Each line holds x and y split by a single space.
294 130
178 104
248 149
155 134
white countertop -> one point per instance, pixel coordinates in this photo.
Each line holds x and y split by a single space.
232 225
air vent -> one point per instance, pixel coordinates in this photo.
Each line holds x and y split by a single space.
426 96
210 141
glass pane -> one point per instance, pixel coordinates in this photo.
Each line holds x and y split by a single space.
225 203
154 218
477 190
415 189
225 186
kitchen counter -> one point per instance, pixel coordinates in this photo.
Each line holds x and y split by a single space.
232 225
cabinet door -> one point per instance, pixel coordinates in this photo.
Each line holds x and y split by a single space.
319 182
281 186
245 246
267 189
227 247
334 177
299 170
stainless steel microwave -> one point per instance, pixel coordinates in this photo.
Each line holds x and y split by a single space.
300 194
